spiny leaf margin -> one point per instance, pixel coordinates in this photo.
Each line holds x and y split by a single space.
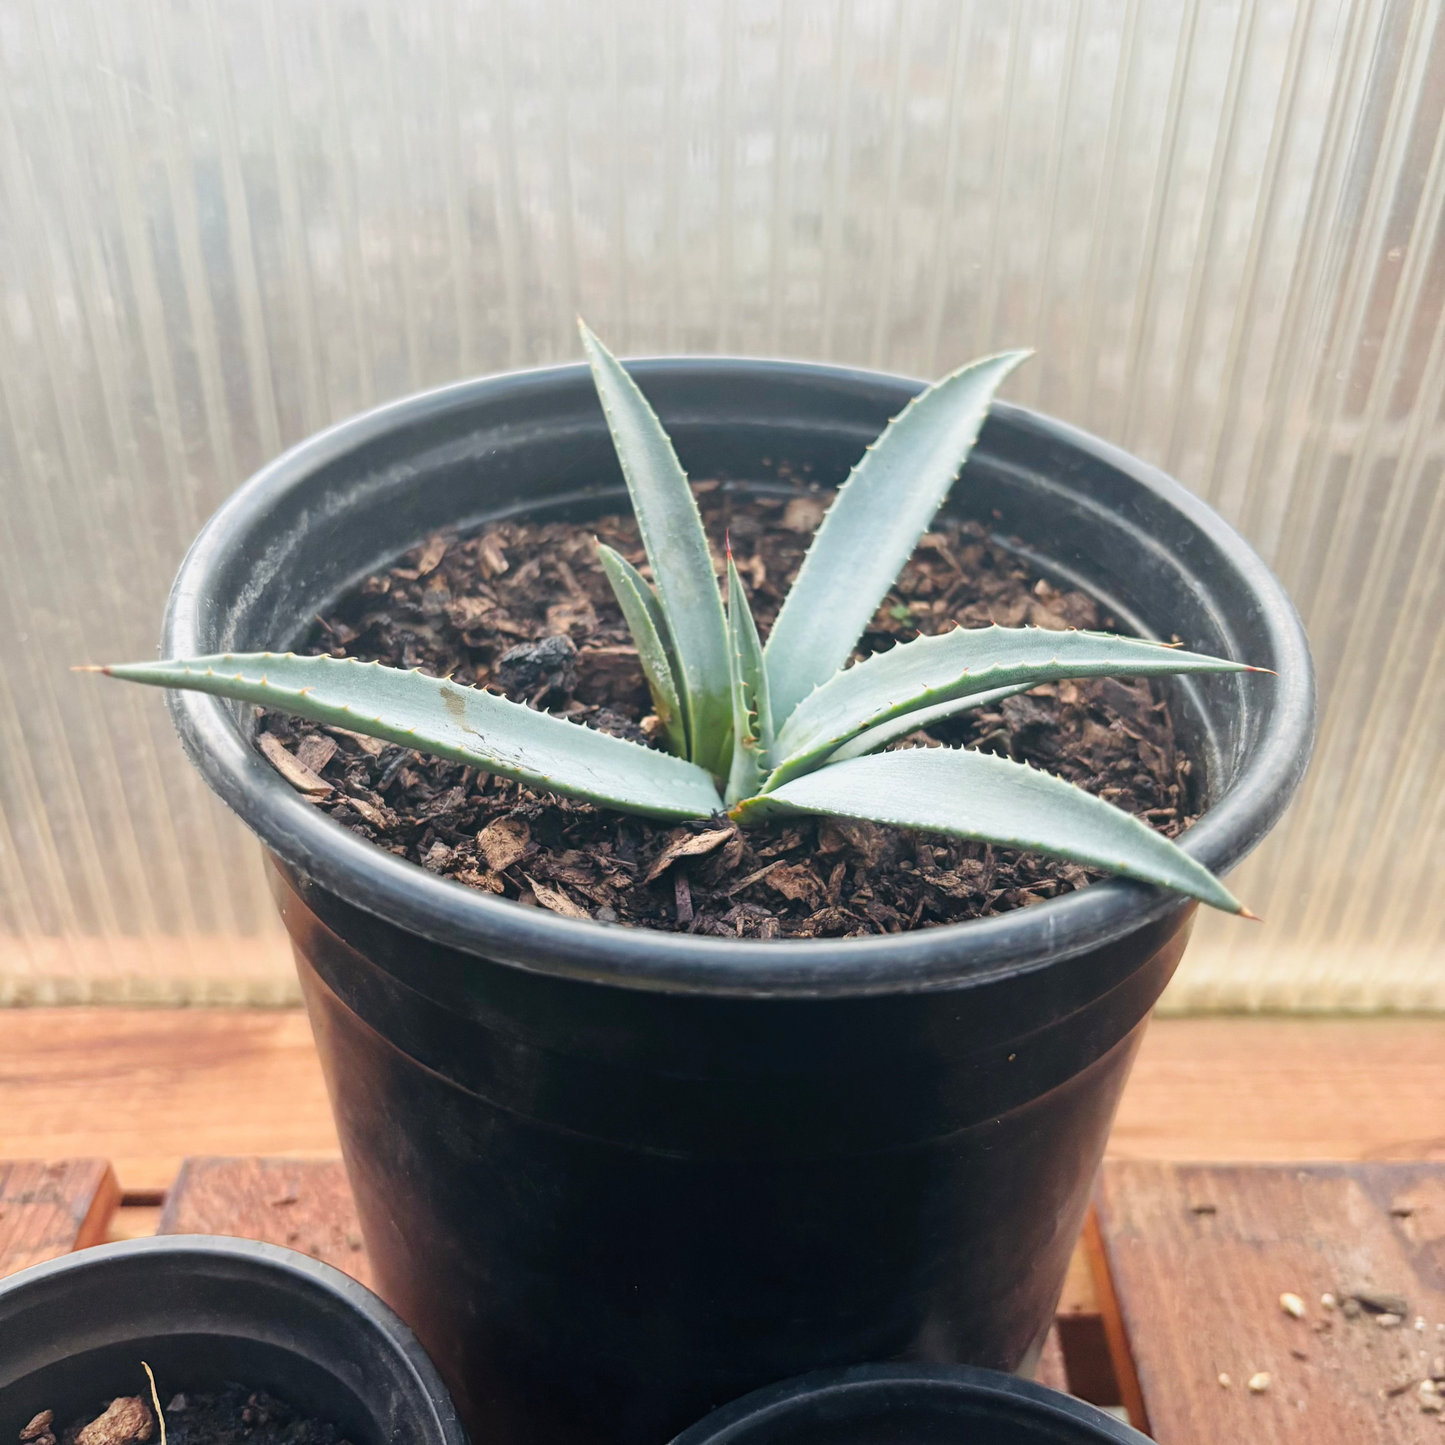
887 503
752 713
970 794
672 532
931 670
648 627
461 724
870 740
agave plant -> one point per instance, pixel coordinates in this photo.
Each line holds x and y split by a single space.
758 730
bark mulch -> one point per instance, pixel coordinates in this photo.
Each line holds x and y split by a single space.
233 1415
524 608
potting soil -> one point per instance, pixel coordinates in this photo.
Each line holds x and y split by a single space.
235 1415
524 609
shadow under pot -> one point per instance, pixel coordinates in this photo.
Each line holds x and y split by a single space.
616 1177
207 1314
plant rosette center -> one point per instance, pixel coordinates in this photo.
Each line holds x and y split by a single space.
526 609
806 726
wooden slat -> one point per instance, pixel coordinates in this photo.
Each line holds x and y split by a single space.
146 1087
1121 1372
1198 1257
304 1204
1278 1089
49 1209
1087 1364
1052 1370
1079 1296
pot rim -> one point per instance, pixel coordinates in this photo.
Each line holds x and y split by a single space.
1027 1400
476 923
262 1261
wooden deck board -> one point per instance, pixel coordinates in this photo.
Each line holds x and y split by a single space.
304 1204
147 1087
1278 1089
1191 1263
49 1209
1198 1258
1052 1369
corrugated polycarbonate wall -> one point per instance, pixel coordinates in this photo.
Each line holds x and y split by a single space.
225 223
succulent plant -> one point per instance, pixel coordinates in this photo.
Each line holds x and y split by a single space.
763 730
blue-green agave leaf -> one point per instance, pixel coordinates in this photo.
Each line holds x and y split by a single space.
932 670
870 531
462 724
979 795
870 740
648 626
752 716
671 528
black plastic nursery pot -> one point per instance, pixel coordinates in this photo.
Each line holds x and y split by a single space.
909 1405
615 1178
202 1312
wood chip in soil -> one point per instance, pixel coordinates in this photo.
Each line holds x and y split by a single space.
524 609
229 1416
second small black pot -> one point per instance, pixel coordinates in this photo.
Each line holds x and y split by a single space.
204 1311
615 1178
909 1405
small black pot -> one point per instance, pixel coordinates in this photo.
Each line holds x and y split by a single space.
615 1178
204 1311
909 1405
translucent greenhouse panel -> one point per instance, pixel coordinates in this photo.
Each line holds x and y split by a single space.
223 225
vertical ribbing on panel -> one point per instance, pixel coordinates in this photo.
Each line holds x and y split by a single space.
1221 222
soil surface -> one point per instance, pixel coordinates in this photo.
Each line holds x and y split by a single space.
235 1415
525 609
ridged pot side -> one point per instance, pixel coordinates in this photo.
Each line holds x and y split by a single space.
607 1211
615 1177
